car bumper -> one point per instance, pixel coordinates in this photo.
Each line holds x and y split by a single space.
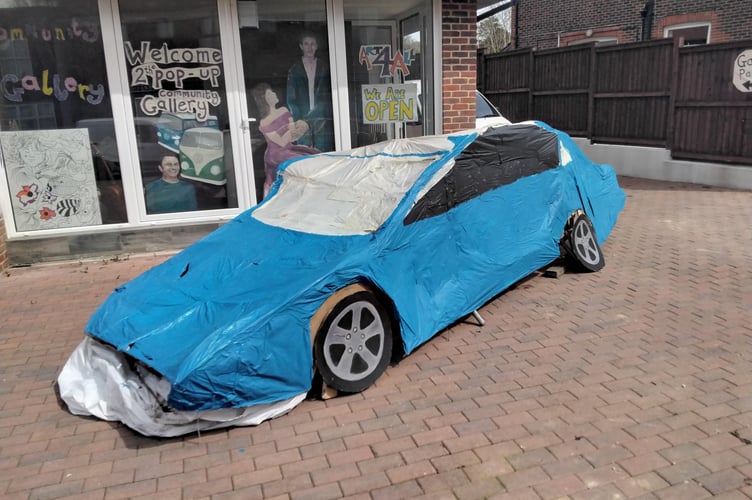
100 381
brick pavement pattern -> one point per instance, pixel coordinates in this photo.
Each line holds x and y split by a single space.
632 382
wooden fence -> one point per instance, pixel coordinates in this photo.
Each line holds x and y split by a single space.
646 94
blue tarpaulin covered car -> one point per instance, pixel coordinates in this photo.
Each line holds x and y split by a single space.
353 255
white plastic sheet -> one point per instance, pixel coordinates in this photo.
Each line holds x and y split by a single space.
97 380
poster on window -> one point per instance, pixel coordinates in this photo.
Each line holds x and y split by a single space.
392 103
51 178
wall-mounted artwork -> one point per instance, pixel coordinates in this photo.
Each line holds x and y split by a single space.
51 179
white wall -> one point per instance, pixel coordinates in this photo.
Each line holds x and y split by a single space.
656 163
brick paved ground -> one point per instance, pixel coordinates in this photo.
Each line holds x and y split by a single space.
632 382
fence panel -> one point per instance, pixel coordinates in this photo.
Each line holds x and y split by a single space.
646 93
561 88
713 118
632 93
506 82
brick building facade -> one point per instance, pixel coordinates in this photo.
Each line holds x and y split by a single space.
459 51
546 24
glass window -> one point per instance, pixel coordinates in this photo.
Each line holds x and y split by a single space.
288 83
56 128
384 69
691 34
175 67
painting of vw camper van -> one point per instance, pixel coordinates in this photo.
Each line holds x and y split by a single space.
172 126
201 154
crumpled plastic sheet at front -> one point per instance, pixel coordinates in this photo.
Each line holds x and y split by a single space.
97 380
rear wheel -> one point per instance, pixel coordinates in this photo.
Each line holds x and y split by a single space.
354 344
583 245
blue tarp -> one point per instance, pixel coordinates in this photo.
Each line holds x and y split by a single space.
226 321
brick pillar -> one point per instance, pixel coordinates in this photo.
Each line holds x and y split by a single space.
459 33
3 245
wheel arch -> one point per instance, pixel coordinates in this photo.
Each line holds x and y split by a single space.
362 284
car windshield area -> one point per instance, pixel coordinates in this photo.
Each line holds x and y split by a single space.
350 193
483 108
205 138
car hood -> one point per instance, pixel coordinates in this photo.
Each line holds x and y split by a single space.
219 291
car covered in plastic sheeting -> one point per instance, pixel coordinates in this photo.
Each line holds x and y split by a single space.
354 256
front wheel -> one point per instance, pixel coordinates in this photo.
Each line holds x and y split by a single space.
354 344
583 244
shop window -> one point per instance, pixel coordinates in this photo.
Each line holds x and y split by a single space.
286 66
691 33
389 89
175 66
60 172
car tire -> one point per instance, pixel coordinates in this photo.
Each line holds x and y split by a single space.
583 245
354 344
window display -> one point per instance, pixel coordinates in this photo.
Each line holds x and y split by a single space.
56 128
176 79
97 107
288 83
384 70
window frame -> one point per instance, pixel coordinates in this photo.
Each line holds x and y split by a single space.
668 30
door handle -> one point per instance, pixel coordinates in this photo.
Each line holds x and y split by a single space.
245 123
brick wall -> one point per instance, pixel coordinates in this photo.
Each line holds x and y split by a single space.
459 50
543 23
3 245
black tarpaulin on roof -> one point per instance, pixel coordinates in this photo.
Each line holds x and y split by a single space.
500 156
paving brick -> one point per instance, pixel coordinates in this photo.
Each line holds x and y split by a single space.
443 481
364 483
435 435
130 490
455 461
334 474
483 488
34 481
522 479
107 480
608 455
722 481
489 468
285 486
627 383
324 492
682 452
350 456
58 490
366 438
381 463
468 442
280 458
406 490
305 466
683 491
643 463
533 458
411 471
256 477
643 484
560 486
605 492
722 460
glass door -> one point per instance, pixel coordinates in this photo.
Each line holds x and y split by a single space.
176 79
286 79
383 47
